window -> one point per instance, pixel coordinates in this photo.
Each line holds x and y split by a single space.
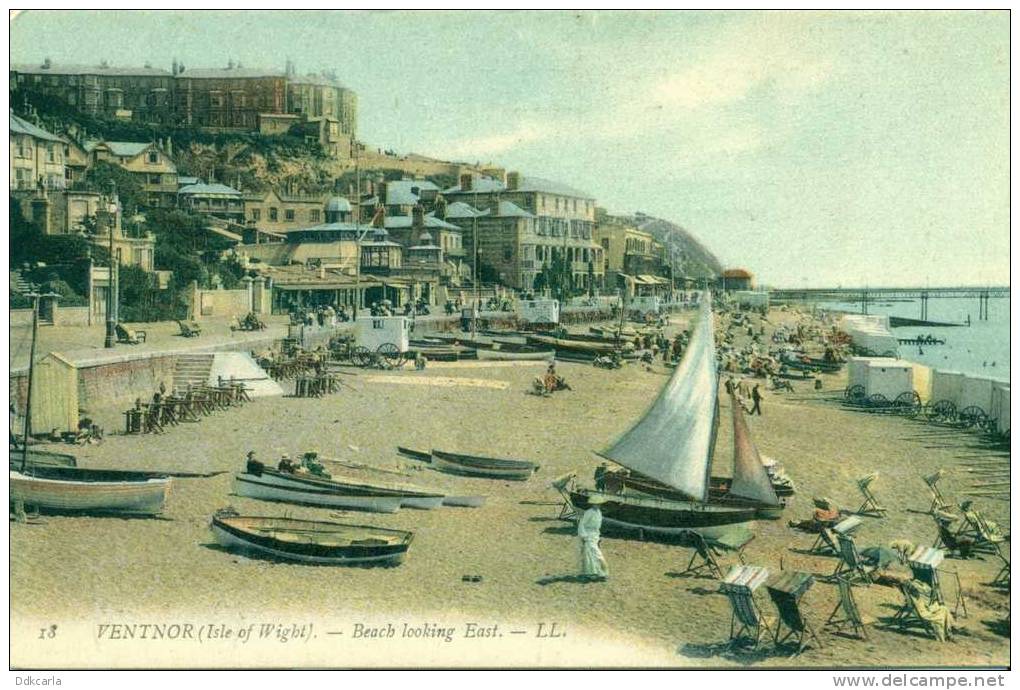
313 215
288 215
155 179
50 154
153 157
575 205
256 214
273 214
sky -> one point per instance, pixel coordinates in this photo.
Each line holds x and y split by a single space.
813 148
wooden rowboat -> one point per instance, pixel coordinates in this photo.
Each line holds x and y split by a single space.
77 490
422 455
253 486
410 495
510 352
480 466
581 346
308 541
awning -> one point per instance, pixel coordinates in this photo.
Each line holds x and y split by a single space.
224 233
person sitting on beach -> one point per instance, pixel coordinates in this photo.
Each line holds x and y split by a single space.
253 466
825 515
420 362
310 462
287 465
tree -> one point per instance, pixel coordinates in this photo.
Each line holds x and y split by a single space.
104 174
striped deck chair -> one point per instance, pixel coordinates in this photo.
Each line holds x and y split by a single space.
706 549
747 622
786 593
949 540
909 616
871 507
849 616
851 565
975 526
924 563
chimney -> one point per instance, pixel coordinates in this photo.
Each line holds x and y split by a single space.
465 182
513 181
418 217
47 64
440 207
230 64
173 67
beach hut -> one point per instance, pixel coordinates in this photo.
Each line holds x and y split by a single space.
372 332
1000 407
539 311
947 385
889 378
976 391
857 369
54 395
922 382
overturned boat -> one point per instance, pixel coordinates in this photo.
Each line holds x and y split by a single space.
673 444
308 541
481 466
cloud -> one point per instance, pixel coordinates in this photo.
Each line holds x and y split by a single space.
490 145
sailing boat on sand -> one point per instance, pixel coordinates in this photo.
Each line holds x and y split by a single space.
672 444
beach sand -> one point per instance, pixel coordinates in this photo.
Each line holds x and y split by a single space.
80 572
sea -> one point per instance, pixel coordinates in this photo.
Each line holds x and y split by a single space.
981 349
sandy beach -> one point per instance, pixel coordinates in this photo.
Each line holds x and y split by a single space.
85 571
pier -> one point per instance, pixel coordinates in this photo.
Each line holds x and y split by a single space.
866 296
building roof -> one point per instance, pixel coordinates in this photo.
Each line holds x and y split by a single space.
459 209
229 73
508 208
338 204
109 70
398 192
736 273
539 184
19 126
316 80
121 149
186 181
209 189
431 221
480 184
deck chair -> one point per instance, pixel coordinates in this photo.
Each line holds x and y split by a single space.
1002 578
851 565
924 563
128 336
563 485
976 527
938 501
871 507
189 330
825 543
909 616
846 614
950 541
707 549
747 622
786 593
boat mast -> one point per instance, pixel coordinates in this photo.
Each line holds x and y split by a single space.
31 372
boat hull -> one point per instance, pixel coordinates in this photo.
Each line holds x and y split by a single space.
409 496
236 539
250 487
516 355
464 501
662 517
490 468
718 493
41 458
144 497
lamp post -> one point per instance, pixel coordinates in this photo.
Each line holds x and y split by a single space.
31 373
111 323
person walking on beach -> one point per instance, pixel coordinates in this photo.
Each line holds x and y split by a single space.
756 398
589 532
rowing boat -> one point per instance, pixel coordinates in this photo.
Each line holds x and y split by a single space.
480 466
77 490
513 352
308 541
259 487
410 496
568 345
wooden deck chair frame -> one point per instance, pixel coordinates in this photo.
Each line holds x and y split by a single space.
951 541
977 529
1001 578
851 617
746 617
824 544
938 501
871 507
908 617
797 625
850 563
563 484
703 550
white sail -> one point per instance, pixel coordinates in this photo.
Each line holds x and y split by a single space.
673 441
750 480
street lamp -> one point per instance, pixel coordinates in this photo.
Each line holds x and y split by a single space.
111 323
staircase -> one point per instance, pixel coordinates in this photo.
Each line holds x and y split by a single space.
192 370
19 285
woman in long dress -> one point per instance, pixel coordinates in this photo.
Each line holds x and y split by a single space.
593 563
